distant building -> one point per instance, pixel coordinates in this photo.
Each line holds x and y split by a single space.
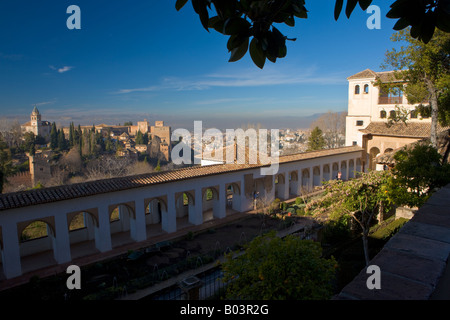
37 126
163 133
142 126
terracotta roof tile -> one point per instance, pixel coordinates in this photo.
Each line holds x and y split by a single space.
53 194
384 76
410 129
443 148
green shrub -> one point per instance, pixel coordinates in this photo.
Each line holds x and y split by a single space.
299 200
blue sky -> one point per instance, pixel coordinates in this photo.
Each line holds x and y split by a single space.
142 58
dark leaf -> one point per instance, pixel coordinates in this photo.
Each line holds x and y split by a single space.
180 4
238 52
216 23
401 24
351 4
428 27
443 19
235 26
338 8
290 21
257 53
201 8
364 4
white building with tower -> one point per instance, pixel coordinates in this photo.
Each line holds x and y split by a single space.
36 125
369 110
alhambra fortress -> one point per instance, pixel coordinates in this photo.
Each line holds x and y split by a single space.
157 203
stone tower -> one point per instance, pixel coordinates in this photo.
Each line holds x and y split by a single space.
36 121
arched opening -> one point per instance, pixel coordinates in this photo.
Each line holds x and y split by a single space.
82 237
36 245
306 187
351 169
358 166
326 172
210 203
344 170
280 187
119 217
388 150
357 89
155 208
259 194
293 184
184 207
316 177
366 88
233 193
335 170
373 153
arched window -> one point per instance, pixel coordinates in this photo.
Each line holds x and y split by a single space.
392 114
357 89
383 114
366 88
413 114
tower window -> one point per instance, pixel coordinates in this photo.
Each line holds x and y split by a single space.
359 123
366 88
355 143
383 114
357 89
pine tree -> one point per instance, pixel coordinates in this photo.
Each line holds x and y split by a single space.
316 140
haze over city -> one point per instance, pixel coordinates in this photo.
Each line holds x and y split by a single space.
146 60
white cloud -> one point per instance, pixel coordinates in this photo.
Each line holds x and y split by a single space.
61 70
243 78
64 69
44 103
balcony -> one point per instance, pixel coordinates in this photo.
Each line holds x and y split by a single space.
390 100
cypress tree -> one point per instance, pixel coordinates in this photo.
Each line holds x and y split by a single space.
53 137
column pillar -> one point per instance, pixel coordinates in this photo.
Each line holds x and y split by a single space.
196 215
286 186
11 251
103 232
220 205
311 179
138 229
61 242
169 219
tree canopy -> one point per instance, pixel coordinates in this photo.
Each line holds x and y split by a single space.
278 269
250 23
